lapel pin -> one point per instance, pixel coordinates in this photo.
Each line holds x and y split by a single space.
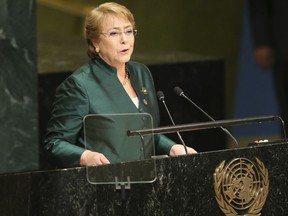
144 91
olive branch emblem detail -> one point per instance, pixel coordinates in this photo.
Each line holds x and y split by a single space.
241 187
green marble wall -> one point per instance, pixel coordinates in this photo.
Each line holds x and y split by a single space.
18 84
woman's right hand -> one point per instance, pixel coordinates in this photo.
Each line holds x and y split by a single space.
89 158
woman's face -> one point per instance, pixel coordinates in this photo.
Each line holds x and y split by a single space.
116 41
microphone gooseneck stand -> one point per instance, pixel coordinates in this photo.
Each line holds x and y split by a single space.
161 97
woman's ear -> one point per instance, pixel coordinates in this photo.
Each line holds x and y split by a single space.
96 46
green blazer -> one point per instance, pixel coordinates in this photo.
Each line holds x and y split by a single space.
94 89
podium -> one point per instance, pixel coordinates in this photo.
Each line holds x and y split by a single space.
184 185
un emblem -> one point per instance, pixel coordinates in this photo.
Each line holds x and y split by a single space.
241 187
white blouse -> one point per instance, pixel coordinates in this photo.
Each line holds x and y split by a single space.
135 101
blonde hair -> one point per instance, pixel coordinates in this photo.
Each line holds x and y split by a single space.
94 20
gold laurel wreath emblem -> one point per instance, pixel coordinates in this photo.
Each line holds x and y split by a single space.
256 207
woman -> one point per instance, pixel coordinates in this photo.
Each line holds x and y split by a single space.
110 83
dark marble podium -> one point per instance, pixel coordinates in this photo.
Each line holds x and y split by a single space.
184 186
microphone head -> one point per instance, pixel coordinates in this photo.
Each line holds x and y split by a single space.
160 95
178 91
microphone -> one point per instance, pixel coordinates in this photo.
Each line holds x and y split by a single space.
180 93
161 97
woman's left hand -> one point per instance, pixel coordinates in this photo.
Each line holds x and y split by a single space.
178 149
